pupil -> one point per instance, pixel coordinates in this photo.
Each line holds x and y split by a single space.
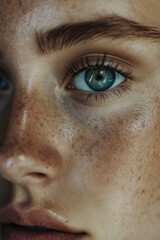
100 75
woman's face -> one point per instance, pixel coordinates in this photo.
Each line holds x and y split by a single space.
80 114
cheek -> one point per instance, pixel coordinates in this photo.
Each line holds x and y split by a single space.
121 153
118 165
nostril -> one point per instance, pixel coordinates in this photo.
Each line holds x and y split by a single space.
37 175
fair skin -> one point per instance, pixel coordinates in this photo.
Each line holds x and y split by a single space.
93 162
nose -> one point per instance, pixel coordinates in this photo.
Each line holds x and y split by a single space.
29 152
22 168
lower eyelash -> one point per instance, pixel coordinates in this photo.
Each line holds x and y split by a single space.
102 97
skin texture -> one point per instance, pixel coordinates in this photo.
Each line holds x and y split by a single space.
99 164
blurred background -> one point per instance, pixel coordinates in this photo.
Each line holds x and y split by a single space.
5 190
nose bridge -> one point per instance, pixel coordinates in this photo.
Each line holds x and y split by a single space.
26 117
27 149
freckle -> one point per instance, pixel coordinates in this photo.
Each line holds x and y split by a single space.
148 204
74 5
158 215
16 116
158 198
139 178
152 195
81 137
143 191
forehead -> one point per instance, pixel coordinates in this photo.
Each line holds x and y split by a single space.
142 9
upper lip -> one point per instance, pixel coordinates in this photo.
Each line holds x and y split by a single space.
34 217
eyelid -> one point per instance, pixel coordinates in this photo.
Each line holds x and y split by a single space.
102 54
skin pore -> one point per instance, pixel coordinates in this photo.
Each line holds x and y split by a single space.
92 161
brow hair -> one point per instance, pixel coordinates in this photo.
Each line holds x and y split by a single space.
114 27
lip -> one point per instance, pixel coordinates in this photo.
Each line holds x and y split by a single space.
13 233
33 217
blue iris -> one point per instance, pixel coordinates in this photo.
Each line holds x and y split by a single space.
4 85
99 79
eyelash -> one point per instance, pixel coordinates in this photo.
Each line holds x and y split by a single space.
113 64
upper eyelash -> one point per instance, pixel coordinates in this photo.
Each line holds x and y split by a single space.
79 66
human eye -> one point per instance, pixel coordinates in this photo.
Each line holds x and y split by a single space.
6 89
96 77
4 83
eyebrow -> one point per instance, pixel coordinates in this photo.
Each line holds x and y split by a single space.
114 27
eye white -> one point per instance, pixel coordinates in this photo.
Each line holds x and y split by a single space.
79 82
